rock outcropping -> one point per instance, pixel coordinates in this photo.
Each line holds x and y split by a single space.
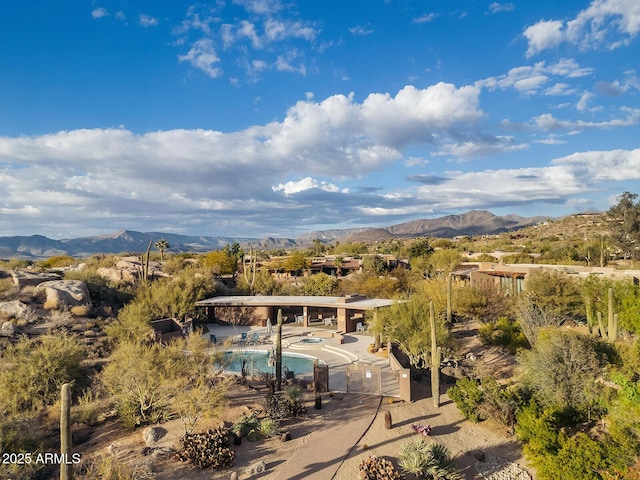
61 294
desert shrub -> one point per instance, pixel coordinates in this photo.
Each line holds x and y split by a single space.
21 471
294 394
207 450
58 261
467 395
503 332
110 468
245 424
376 468
538 429
499 402
17 263
428 460
562 368
88 408
7 289
579 457
150 382
35 369
268 427
80 310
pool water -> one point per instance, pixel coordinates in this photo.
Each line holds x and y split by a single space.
311 340
256 362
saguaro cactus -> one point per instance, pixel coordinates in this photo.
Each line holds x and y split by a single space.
601 327
279 351
66 468
436 358
449 295
612 327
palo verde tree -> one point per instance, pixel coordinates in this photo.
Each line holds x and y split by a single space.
562 368
32 371
406 323
624 223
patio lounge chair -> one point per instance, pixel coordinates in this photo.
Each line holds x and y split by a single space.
359 327
213 339
243 338
255 338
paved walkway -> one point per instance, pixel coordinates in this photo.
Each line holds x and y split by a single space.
329 447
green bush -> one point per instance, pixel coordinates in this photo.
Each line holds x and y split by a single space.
35 369
268 427
246 423
467 395
503 332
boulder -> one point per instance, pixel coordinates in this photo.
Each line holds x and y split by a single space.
60 294
7 329
118 275
16 309
151 435
22 278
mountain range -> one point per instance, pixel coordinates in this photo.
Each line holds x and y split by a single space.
476 222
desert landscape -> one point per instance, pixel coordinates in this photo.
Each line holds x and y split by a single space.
305 455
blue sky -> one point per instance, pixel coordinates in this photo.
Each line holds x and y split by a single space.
268 117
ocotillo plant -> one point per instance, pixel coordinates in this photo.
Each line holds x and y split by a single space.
612 328
66 467
436 358
279 351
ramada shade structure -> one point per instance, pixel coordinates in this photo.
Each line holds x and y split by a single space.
342 312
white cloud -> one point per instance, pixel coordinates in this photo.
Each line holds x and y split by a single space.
289 62
260 7
560 89
99 12
549 123
543 35
203 56
528 80
361 30
426 18
583 103
605 23
306 183
599 166
496 7
147 21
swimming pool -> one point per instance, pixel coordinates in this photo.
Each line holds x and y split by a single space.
257 362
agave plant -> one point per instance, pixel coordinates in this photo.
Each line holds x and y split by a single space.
428 460
440 464
413 456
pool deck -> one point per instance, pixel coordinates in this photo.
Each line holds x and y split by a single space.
353 348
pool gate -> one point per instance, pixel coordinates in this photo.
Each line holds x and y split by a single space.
356 378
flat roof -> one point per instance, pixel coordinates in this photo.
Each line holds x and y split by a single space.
351 303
